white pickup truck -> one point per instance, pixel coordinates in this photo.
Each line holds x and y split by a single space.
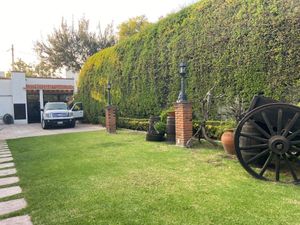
58 114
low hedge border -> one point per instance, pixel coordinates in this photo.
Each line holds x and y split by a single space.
214 128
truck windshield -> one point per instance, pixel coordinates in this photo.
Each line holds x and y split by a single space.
52 106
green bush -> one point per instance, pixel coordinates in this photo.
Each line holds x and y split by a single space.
215 129
160 127
102 120
240 46
133 123
164 114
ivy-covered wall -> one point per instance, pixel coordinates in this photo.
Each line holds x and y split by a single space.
240 46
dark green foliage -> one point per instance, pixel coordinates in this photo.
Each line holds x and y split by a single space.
215 129
102 120
240 46
160 127
133 124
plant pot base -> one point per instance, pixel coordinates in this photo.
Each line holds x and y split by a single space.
155 137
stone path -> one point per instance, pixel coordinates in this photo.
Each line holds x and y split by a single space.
9 188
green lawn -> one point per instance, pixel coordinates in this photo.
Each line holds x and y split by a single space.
96 178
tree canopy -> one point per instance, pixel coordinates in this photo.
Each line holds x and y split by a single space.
42 69
132 26
70 46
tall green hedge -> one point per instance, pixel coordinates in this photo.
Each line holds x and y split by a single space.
241 46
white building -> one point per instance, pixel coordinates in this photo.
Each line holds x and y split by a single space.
23 97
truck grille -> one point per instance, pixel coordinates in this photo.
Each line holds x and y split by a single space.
60 114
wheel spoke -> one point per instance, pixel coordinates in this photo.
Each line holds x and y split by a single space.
267 121
295 142
290 124
291 168
253 147
293 135
263 170
279 121
295 149
257 156
254 137
277 169
262 131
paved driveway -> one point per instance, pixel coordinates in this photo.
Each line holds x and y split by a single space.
29 130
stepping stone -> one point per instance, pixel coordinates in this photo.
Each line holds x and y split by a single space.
8 180
6 165
5 155
7 172
7 159
18 220
4 150
10 191
12 206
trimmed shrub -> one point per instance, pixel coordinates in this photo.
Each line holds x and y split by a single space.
215 129
133 124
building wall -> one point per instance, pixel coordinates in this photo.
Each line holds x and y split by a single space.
75 76
49 81
13 93
18 90
6 105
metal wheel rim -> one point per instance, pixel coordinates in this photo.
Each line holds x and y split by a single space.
294 174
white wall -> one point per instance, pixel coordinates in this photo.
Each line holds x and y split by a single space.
6 105
5 87
18 90
50 81
75 76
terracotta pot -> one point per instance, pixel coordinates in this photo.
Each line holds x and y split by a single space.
227 140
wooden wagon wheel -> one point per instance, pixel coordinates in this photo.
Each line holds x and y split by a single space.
267 142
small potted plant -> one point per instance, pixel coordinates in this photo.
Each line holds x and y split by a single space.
160 128
156 130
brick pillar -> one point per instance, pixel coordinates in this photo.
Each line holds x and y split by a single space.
183 123
110 119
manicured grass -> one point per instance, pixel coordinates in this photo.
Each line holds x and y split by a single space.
96 178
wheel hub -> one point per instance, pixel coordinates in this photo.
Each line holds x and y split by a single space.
279 144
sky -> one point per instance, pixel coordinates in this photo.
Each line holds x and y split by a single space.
23 22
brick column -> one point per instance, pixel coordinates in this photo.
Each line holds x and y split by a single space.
183 123
110 119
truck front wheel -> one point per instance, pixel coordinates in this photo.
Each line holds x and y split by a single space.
44 125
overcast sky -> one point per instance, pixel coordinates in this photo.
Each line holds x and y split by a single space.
22 22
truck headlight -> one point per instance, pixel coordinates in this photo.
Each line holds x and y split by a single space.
70 114
48 115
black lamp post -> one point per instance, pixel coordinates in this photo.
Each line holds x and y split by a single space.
182 95
108 96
